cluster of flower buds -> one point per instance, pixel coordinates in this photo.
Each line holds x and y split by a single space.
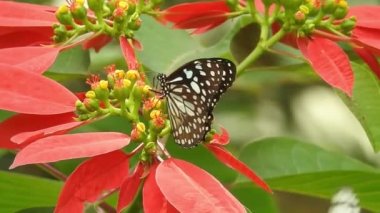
111 17
127 95
308 15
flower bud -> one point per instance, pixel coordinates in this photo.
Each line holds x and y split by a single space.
140 127
132 75
91 104
63 15
150 147
90 94
78 11
134 24
299 17
341 11
348 25
95 5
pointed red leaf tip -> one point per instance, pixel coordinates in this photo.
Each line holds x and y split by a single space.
222 138
32 59
90 179
368 38
27 137
201 16
228 159
370 59
63 147
191 189
30 93
14 14
27 123
129 188
153 199
97 43
329 61
129 53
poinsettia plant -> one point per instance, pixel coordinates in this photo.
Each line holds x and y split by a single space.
136 167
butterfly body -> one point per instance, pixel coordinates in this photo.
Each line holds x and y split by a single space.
192 92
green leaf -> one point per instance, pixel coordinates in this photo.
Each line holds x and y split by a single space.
292 166
74 61
366 185
277 157
19 192
171 48
365 102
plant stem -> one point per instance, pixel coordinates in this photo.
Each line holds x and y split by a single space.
52 171
260 48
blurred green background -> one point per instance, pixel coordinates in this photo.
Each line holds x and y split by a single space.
284 122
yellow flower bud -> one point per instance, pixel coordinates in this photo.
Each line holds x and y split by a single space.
126 82
140 127
304 9
90 94
155 113
132 74
119 74
103 84
146 89
343 4
123 4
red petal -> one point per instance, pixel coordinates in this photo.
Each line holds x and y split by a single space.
228 159
26 137
25 36
370 59
62 147
129 53
25 123
368 38
191 189
197 15
90 179
97 43
366 16
330 62
129 188
32 59
30 93
13 14
222 139
153 200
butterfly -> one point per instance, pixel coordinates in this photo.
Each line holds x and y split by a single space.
191 92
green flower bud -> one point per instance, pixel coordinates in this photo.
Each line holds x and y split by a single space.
78 11
340 12
63 15
95 5
329 6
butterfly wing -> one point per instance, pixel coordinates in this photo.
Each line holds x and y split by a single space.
194 89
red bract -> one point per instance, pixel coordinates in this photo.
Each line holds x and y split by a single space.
153 199
62 147
201 16
329 61
31 59
97 43
27 92
90 179
228 159
24 24
191 189
129 53
22 123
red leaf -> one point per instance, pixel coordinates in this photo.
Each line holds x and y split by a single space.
201 15
129 53
25 123
30 93
366 16
129 188
26 137
228 159
222 139
25 36
13 14
32 59
370 59
191 189
97 43
330 62
62 147
90 179
153 200
367 37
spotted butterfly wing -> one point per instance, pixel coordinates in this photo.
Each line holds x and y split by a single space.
192 92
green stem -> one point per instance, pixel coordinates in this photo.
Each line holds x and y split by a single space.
260 48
